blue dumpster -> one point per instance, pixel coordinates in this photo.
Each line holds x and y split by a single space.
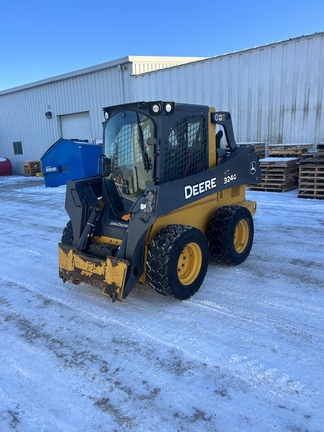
69 160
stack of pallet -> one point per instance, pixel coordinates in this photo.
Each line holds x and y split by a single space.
32 168
280 171
290 150
311 174
259 148
278 174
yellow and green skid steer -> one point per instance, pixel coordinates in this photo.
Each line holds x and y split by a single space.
169 194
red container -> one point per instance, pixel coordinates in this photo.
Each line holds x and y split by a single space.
5 167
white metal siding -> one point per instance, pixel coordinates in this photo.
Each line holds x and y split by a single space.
274 92
150 64
76 126
22 110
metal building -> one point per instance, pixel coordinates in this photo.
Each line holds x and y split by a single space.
274 92
34 116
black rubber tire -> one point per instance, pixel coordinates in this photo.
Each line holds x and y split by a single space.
177 261
230 234
67 236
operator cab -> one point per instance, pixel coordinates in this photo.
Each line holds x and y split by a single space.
151 143
126 171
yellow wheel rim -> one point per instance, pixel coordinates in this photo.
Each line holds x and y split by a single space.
189 263
241 236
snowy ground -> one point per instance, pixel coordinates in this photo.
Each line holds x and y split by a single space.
246 353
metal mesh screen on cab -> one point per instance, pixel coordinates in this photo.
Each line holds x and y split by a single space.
185 148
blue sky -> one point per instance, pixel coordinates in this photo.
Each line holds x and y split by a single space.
41 39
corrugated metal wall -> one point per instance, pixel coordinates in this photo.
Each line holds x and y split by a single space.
274 92
157 63
22 110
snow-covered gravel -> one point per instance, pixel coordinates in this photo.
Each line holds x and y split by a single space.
246 353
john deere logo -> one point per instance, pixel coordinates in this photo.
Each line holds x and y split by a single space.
252 167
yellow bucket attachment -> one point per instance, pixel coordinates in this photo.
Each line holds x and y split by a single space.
109 273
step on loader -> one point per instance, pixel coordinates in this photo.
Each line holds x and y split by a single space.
170 194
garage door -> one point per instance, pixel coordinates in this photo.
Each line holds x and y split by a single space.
76 126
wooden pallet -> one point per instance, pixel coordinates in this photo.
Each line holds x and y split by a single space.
313 158
273 187
288 150
311 175
278 175
311 191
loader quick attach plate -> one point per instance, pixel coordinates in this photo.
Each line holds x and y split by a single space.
109 274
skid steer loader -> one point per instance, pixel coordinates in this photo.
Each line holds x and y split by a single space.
170 194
